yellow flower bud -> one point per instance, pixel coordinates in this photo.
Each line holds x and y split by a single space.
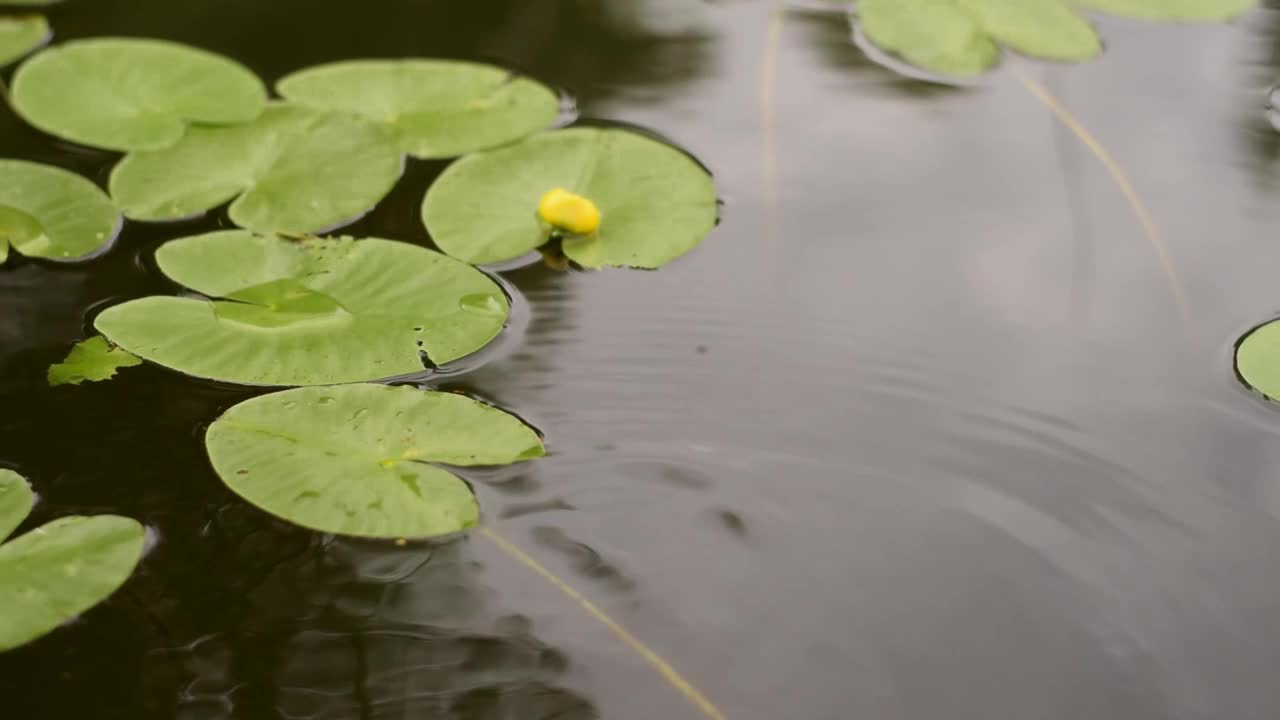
569 212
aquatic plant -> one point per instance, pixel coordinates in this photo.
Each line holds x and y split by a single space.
132 93
650 201
291 170
314 311
358 459
91 360
20 35
57 571
436 108
47 212
1258 359
963 37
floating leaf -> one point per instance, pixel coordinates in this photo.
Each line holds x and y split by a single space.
937 35
47 212
16 501
55 572
353 459
959 37
93 360
312 312
655 203
132 94
293 170
1258 359
437 108
21 35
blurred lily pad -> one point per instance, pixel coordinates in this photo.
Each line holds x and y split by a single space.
353 459
655 203
132 93
963 37
316 311
437 108
1258 359
92 360
21 35
55 572
292 170
47 212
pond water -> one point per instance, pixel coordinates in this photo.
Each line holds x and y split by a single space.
924 429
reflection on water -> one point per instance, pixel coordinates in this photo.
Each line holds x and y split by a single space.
932 441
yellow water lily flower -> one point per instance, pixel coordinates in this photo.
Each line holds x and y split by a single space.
569 212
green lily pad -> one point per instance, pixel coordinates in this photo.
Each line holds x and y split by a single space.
959 37
437 108
55 572
131 93
16 501
21 35
47 212
655 202
317 311
962 37
93 360
293 170
353 459
1258 359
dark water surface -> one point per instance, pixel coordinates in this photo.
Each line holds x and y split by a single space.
918 432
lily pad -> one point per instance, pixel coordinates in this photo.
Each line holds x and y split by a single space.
132 93
654 202
353 459
437 108
55 572
1258 359
93 360
16 501
292 170
316 311
47 212
962 37
959 37
21 35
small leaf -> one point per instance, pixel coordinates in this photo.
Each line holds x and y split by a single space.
21 35
16 501
130 93
1258 359
959 37
437 108
47 212
936 35
654 202
56 572
293 170
352 459
313 312
1046 29
93 360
